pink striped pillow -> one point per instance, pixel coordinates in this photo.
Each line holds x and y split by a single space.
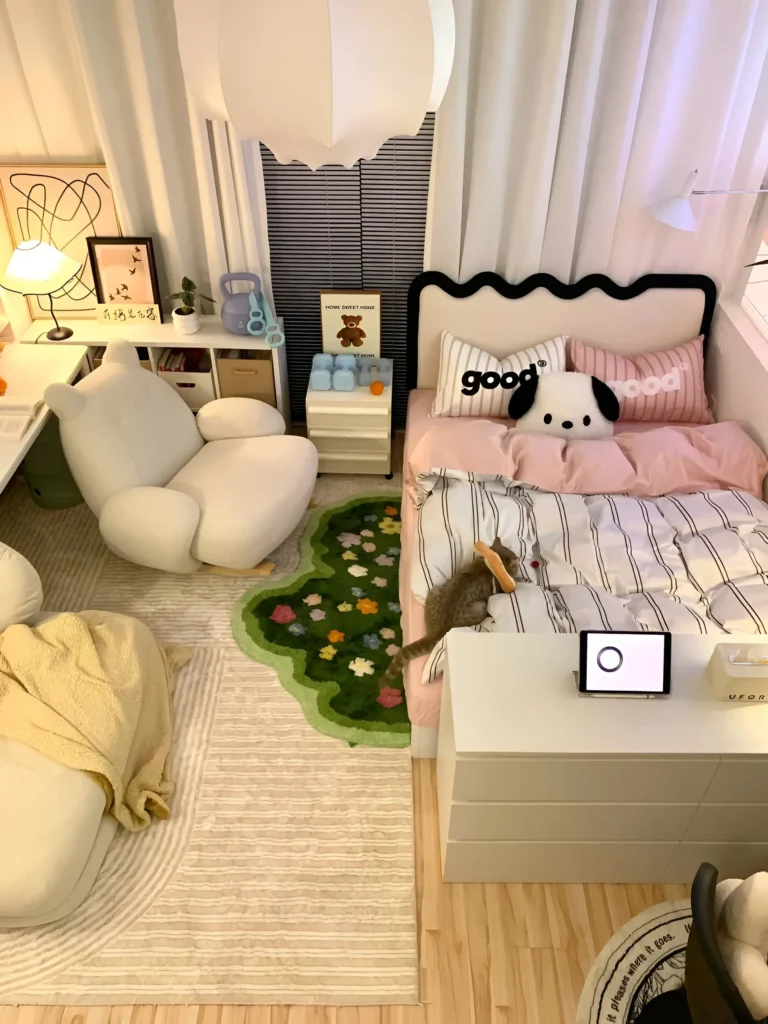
663 387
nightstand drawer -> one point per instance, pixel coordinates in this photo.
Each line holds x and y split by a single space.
353 462
351 419
336 441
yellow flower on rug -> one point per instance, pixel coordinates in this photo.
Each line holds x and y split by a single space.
388 525
345 606
349 556
328 653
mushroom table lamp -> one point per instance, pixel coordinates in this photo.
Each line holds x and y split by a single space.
37 268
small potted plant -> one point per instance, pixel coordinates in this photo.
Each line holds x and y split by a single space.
185 316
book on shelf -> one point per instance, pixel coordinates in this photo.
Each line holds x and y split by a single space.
15 416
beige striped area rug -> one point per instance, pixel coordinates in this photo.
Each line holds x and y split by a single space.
285 874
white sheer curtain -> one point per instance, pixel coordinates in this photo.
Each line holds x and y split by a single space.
563 119
100 80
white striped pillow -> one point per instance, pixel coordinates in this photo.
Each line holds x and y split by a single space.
458 358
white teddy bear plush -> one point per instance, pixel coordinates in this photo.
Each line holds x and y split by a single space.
741 912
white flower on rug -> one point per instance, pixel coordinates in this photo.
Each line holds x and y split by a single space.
348 540
312 599
361 667
357 570
379 581
349 556
387 633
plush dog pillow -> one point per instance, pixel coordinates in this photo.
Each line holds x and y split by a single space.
574 406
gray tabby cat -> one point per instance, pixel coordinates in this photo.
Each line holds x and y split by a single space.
460 601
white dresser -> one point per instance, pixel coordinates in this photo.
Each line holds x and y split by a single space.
352 430
539 784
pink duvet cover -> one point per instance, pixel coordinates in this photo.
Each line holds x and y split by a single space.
642 459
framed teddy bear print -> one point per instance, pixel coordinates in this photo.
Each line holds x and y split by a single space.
351 322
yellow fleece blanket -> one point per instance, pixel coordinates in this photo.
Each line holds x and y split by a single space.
93 691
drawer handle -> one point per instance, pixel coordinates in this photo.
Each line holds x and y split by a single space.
185 384
249 372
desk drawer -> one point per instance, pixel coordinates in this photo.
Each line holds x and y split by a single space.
574 821
582 780
351 419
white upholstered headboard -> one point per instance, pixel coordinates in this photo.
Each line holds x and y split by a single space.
656 311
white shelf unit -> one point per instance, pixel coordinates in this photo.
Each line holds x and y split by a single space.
212 336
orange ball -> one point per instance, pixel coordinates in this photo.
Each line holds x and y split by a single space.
377 388
3 386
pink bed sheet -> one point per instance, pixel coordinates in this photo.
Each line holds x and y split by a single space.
678 457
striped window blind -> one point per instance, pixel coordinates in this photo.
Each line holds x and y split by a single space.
352 229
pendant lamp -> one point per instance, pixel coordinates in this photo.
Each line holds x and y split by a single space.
319 81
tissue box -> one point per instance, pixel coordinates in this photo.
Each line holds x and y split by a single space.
735 677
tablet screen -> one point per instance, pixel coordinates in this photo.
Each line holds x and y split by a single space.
624 662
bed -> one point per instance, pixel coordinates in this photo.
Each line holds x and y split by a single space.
459 465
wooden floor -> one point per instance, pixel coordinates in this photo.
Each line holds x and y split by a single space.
490 954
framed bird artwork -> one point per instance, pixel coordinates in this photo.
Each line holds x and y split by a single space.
124 272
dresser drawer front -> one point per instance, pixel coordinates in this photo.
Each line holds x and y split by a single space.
353 462
574 821
350 419
742 781
330 441
729 823
585 781
732 860
557 862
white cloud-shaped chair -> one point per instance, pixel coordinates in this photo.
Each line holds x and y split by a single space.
171 492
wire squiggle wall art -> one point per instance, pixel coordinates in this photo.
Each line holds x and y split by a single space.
62 206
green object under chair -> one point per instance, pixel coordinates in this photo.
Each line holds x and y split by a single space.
46 471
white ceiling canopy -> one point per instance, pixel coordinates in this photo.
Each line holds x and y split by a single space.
320 81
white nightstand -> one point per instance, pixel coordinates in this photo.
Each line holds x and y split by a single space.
539 784
352 430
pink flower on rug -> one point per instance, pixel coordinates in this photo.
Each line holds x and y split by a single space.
348 540
317 615
369 547
312 599
389 698
384 560
392 650
283 614
379 581
387 633
366 533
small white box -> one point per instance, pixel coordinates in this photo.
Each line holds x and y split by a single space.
739 672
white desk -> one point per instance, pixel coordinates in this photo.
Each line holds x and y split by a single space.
28 371
539 784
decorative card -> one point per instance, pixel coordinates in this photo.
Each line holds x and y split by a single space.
351 322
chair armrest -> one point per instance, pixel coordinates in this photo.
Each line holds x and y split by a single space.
227 418
21 592
152 526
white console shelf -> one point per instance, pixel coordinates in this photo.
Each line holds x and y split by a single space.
156 337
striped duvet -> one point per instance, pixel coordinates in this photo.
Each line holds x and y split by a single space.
688 563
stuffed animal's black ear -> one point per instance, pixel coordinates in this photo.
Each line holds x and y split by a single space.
522 399
607 402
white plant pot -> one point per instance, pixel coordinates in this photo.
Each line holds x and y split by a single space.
186 323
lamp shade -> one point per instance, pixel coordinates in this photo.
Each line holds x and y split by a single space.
320 81
36 268
676 211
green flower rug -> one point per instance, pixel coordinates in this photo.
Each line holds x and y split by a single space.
331 630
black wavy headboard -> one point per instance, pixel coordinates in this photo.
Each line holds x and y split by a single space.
557 288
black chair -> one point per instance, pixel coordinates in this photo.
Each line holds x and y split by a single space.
712 996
